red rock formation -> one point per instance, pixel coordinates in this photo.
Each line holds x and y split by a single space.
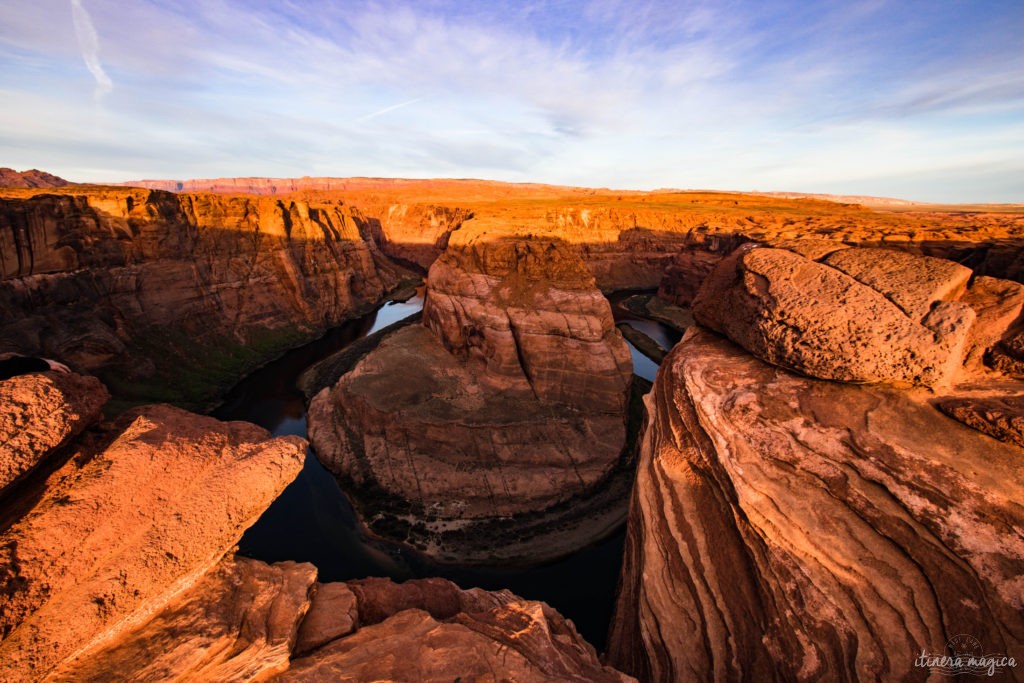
115 568
432 631
867 315
785 528
237 623
509 400
32 178
42 412
123 527
173 296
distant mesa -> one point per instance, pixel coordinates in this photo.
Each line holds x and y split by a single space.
33 178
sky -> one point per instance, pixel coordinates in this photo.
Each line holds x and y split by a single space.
915 99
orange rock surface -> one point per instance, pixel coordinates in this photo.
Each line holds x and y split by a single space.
785 528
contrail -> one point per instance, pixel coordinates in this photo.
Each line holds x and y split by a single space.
385 110
89 42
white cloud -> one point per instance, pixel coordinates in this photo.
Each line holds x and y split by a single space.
89 42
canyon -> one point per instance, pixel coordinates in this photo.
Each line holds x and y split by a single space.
827 467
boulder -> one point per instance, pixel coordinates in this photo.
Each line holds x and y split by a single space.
817 320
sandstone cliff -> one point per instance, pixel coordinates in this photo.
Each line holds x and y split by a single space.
788 528
172 296
509 400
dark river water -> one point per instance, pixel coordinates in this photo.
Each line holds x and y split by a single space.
313 521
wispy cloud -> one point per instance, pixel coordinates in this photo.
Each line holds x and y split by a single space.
627 93
385 110
89 43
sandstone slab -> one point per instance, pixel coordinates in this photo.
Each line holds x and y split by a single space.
237 623
121 529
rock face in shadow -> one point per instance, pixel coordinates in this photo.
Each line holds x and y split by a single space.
509 400
863 315
125 525
171 297
786 528
237 623
42 412
429 630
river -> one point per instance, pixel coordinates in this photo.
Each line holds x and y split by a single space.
313 521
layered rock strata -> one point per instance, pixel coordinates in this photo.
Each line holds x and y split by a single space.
173 296
787 528
509 400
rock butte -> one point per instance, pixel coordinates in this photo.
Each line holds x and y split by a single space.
509 400
825 496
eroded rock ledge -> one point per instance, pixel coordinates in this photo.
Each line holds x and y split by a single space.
119 564
508 402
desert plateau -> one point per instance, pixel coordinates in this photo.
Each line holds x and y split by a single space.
823 479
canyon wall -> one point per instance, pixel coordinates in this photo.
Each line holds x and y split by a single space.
784 527
171 297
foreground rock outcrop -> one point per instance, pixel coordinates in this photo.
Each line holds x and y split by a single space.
509 400
118 565
787 528
126 524
173 297
430 630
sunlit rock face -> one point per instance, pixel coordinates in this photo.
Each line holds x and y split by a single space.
510 399
863 315
41 413
786 528
151 290
140 511
117 564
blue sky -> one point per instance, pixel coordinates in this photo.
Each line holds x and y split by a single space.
914 99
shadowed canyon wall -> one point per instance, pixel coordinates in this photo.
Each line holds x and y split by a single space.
171 296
